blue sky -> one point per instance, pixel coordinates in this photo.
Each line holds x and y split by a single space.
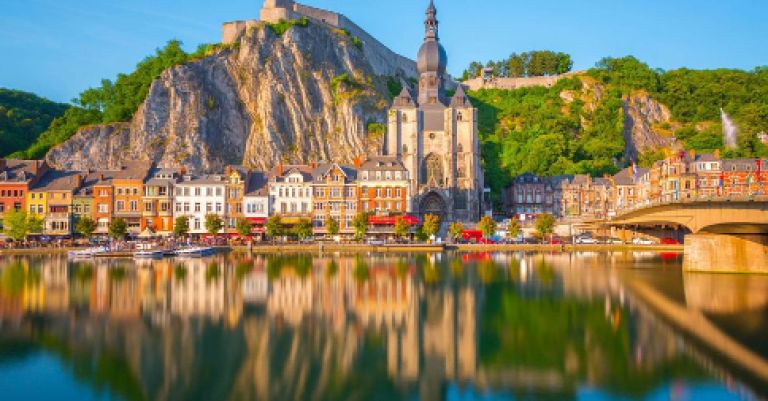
57 48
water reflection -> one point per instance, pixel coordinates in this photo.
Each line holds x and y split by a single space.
384 327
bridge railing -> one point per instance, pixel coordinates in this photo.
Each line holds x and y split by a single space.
648 204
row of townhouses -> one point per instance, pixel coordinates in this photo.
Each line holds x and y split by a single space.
681 177
151 198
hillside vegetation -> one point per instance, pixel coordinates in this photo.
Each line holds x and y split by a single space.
23 116
577 125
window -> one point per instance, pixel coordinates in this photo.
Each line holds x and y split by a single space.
218 191
209 207
148 207
178 206
102 208
120 206
134 206
218 207
197 207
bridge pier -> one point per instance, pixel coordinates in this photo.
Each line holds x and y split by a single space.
726 253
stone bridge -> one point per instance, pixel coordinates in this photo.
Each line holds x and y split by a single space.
728 235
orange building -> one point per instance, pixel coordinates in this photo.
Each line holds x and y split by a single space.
383 183
157 208
128 192
236 177
102 204
16 176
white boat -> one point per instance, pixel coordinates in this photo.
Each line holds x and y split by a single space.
86 253
195 251
149 254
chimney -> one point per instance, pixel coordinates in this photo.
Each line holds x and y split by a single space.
692 154
78 181
101 177
280 169
358 162
717 154
182 171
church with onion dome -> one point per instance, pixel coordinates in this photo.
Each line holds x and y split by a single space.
436 137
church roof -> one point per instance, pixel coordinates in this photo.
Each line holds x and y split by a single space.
404 98
460 98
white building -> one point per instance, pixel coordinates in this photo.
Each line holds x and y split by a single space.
290 191
197 197
256 201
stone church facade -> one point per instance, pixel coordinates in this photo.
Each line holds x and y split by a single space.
436 138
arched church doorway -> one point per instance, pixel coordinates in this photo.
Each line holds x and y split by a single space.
433 203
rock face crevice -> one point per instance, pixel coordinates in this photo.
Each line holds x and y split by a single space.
641 113
305 95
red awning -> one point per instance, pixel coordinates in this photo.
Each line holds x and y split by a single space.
257 220
390 220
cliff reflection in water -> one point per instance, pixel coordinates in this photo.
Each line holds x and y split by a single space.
340 327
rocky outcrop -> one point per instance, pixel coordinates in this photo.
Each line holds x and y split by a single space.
307 94
641 114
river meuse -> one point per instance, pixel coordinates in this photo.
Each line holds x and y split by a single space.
449 326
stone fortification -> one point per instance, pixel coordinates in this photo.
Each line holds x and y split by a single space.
515 83
383 60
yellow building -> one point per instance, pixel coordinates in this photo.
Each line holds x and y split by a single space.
37 202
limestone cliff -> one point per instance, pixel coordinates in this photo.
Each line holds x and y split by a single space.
642 115
307 94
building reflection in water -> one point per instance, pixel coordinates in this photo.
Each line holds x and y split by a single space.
302 327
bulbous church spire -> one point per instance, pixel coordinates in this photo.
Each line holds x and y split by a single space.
431 60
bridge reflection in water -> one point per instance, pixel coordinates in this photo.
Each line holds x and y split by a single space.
378 327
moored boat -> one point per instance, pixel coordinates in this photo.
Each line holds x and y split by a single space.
149 254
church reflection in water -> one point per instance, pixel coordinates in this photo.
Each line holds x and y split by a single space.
238 326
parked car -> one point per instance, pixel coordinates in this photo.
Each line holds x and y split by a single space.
642 241
586 240
486 241
669 241
555 241
614 241
531 240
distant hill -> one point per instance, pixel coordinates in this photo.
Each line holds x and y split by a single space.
23 117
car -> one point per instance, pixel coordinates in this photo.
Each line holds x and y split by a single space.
376 242
669 241
486 241
555 241
614 241
642 241
586 241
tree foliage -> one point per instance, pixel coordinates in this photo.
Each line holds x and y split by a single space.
181 226
118 227
302 229
455 230
274 226
401 227
360 224
243 227
85 226
513 228
213 223
487 225
534 63
545 224
332 225
431 225
23 116
15 224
